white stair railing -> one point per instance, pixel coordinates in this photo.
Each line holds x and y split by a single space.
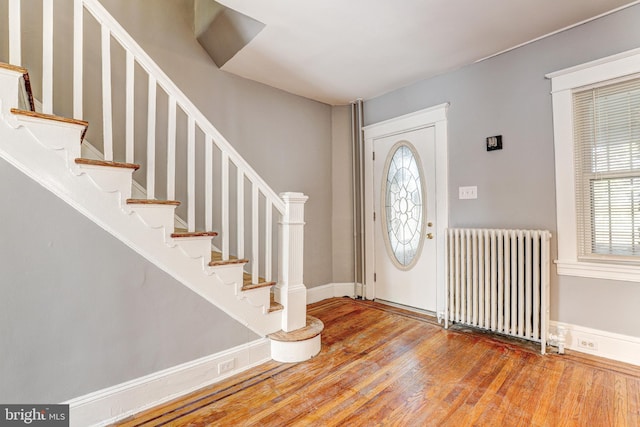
220 171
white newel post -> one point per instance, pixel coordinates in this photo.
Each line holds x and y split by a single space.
290 290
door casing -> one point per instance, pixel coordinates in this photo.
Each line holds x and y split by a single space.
435 116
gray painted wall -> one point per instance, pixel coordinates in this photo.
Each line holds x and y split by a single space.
508 95
80 311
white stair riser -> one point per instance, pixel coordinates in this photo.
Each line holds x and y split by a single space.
52 134
110 180
255 296
62 138
193 247
154 216
9 90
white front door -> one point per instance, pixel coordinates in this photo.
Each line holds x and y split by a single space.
405 230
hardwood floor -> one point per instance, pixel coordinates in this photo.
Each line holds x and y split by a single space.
386 366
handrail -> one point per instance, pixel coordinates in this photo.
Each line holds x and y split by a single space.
123 37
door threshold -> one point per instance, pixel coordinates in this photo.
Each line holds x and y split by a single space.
406 307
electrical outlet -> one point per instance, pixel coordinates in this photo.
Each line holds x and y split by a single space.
587 343
468 192
226 366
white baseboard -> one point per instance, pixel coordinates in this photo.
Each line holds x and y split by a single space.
330 290
106 406
623 348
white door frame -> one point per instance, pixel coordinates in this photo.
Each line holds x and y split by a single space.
435 116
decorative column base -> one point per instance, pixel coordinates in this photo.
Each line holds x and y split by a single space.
299 345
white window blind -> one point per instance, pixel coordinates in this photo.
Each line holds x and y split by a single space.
607 162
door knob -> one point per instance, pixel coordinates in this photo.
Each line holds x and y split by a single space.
429 235
429 224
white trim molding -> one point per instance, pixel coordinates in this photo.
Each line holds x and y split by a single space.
331 290
435 116
623 348
563 83
111 404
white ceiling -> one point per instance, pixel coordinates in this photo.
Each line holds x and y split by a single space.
336 51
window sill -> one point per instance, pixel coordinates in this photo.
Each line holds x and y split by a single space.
627 273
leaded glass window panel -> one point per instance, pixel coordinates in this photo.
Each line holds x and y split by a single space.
403 205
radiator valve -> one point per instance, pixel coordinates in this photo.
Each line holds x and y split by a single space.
558 339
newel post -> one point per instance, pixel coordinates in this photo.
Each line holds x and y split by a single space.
290 290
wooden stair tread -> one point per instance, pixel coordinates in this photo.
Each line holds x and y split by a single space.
91 162
250 286
314 328
217 263
247 282
216 259
52 117
274 306
182 234
152 202
11 67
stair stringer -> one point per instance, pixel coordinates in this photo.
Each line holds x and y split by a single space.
50 162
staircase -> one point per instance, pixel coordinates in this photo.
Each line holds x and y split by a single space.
48 149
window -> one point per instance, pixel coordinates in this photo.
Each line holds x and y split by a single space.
403 202
596 120
607 161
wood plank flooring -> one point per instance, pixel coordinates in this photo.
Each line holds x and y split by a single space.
384 366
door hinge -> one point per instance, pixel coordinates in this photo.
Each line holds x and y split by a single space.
374 277
374 216
374 155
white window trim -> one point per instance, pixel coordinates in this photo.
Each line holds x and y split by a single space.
563 82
